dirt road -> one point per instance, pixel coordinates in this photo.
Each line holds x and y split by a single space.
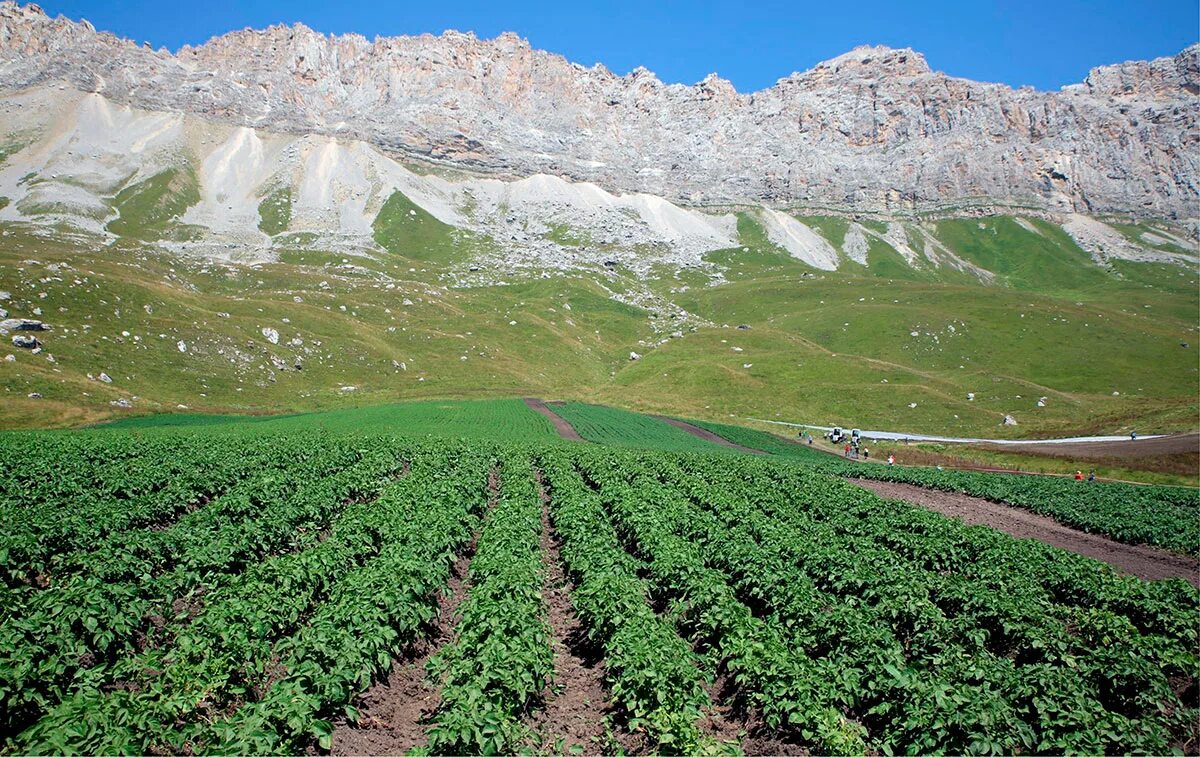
1177 444
564 429
706 435
1141 561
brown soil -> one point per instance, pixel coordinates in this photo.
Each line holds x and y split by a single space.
1177 455
707 435
576 700
1178 444
1138 560
721 719
392 713
564 429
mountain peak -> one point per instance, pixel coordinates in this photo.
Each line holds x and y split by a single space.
877 60
873 129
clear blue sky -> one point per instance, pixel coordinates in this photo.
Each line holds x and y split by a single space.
1046 43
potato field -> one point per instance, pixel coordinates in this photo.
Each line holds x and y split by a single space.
258 591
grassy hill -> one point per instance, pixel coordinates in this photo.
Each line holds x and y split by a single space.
859 346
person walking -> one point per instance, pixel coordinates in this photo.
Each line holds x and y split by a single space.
1091 476
891 459
866 454
847 449
1078 475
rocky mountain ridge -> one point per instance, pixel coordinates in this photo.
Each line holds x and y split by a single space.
874 129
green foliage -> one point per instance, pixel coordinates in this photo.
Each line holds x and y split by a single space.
1160 515
404 228
881 625
651 672
150 209
501 660
275 211
1165 516
567 236
621 428
501 420
238 590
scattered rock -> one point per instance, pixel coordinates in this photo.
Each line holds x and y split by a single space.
35 395
181 345
347 389
970 396
1009 420
122 402
634 356
270 334
105 378
10 358
744 327
1041 402
23 324
26 342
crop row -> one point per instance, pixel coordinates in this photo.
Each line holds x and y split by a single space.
500 661
835 619
785 687
621 428
1165 516
1160 515
921 640
370 616
73 633
152 488
651 672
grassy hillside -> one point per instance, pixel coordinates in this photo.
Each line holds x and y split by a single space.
321 331
149 209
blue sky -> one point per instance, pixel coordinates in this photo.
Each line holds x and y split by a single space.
1045 44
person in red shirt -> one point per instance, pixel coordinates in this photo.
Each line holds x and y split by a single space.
1078 475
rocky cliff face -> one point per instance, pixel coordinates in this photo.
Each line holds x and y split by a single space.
873 129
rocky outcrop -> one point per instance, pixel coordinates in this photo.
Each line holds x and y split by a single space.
874 129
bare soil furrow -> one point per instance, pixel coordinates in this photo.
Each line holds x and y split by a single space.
393 713
575 701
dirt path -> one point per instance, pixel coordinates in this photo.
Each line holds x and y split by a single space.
564 429
392 712
1145 562
1177 444
707 435
576 700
